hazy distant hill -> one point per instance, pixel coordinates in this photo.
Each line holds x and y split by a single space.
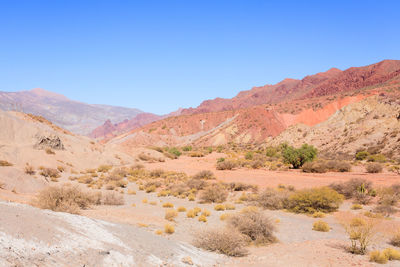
78 117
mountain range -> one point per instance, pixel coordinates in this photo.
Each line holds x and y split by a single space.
258 115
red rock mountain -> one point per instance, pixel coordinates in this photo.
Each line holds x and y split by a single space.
265 112
320 84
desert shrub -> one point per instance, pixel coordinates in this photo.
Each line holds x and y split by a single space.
314 167
179 189
215 193
131 192
202 218
321 199
229 206
2 185
223 241
242 187
206 213
395 239
273 199
158 232
376 158
356 207
50 172
29 169
187 148
378 257
350 188
137 166
256 164
361 155
219 207
4 163
361 232
65 199
191 214
254 225
191 197
249 155
112 198
157 173
168 205
271 151
388 199
175 151
206 175
226 165
324 166
104 168
318 214
392 254
170 214
374 167
338 165
196 154
181 209
321 226
298 156
197 210
169 229
196 184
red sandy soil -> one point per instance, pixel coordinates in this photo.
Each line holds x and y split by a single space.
266 178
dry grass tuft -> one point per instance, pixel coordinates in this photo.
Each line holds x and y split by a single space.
4 163
65 199
171 214
169 229
112 198
224 241
254 225
321 226
215 193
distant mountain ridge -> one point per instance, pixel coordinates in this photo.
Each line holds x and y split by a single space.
77 117
320 84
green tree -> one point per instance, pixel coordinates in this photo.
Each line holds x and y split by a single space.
298 156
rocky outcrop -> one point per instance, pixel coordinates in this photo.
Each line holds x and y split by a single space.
51 141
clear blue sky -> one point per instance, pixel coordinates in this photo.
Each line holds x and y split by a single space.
161 55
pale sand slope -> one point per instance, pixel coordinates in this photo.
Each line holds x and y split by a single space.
19 134
34 237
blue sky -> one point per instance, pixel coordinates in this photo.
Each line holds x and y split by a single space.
161 55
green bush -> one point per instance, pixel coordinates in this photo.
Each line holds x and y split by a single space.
298 156
271 151
361 155
187 148
322 199
248 156
175 152
376 158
